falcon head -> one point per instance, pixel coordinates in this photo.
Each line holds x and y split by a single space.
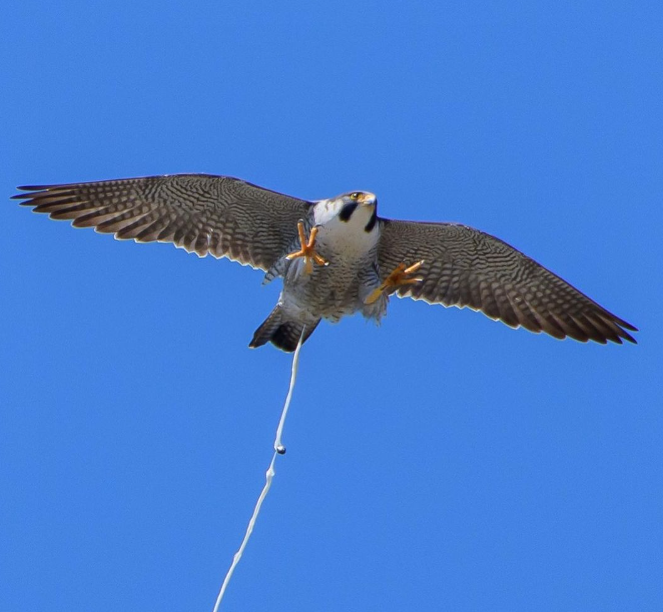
350 201
356 207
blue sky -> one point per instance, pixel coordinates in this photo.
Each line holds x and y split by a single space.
440 461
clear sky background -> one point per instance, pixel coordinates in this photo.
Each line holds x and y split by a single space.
440 461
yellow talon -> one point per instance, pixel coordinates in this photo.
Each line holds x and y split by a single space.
398 277
307 250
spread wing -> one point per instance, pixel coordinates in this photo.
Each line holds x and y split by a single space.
219 215
466 267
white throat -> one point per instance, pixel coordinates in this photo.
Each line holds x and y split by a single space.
349 236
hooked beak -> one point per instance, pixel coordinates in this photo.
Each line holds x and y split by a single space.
367 199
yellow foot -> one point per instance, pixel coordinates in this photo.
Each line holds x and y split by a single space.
399 276
307 251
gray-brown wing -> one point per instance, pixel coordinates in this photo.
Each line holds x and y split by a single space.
219 215
466 267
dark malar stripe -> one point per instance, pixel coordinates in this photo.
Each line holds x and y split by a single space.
372 221
347 210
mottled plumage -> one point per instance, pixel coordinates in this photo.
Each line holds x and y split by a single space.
228 217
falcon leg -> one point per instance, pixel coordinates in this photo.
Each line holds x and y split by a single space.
398 277
307 250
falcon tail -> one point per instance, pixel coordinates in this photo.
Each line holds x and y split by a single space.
281 332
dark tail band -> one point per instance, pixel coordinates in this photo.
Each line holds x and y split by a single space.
283 334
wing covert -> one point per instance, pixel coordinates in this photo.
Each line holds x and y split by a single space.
219 215
465 267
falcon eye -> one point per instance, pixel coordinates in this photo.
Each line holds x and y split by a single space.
354 195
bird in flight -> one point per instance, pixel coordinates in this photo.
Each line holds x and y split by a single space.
336 256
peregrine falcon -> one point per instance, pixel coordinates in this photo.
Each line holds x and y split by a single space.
335 256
